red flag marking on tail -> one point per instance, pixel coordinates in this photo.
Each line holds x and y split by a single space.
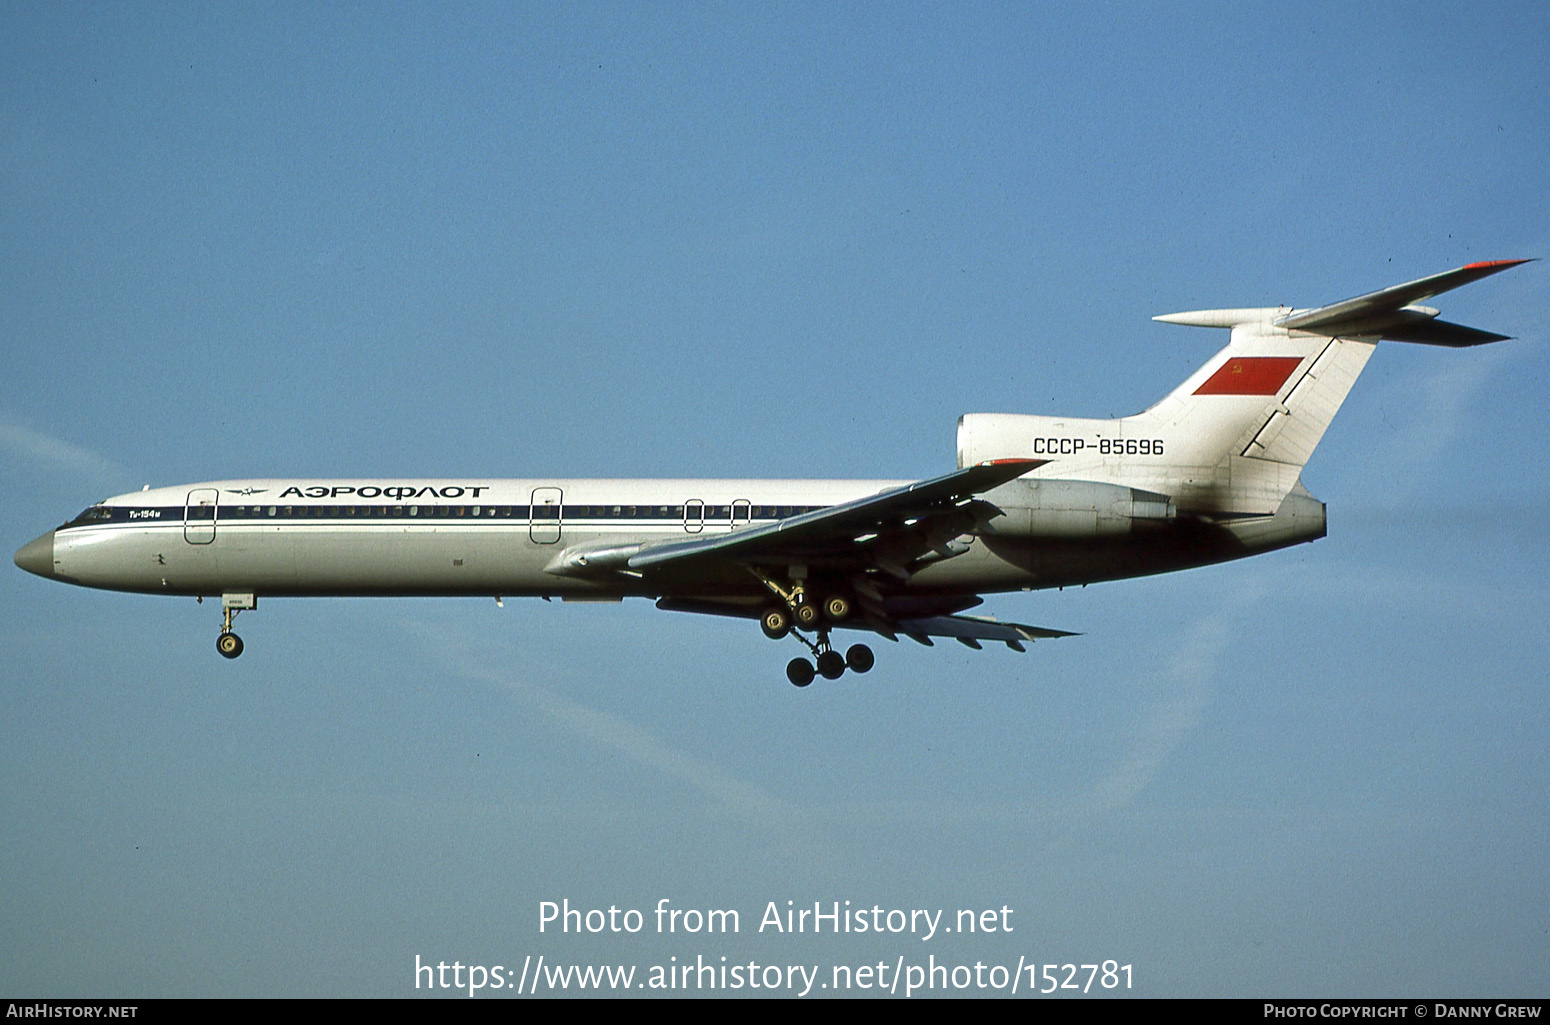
1250 375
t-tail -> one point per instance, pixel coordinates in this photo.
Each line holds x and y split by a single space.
1231 441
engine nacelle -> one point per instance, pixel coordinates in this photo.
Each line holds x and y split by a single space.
986 436
1070 509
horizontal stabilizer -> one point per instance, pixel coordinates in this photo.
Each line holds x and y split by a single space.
1390 313
1332 319
1429 331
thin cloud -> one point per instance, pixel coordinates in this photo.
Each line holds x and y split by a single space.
651 752
1187 685
59 456
739 797
1449 400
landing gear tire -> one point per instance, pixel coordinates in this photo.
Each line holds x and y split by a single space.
229 645
831 665
776 623
807 616
800 672
837 607
859 658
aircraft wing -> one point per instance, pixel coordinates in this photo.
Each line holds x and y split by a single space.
841 528
1389 312
966 630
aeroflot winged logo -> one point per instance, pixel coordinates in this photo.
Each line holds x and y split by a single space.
1207 474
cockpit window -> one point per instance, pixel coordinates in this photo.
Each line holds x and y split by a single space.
92 514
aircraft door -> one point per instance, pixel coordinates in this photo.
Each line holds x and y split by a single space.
544 525
694 515
742 514
199 516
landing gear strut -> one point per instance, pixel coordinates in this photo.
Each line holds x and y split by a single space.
228 643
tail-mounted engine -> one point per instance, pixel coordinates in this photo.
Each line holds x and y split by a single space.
1073 509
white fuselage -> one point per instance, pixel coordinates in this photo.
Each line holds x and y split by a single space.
375 536
478 536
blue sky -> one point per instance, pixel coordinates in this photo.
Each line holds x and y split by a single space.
783 241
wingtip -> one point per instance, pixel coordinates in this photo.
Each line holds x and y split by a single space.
1498 264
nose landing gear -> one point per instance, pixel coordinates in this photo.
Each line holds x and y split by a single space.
228 643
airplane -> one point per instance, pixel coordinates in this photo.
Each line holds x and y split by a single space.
1209 474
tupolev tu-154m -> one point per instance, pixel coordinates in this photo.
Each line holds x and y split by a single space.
1210 473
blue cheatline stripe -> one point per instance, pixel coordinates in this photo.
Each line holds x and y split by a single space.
578 515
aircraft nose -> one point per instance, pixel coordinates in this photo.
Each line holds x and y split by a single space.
37 556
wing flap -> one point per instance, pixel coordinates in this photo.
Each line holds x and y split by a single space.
968 630
978 628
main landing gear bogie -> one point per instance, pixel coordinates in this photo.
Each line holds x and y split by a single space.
831 665
798 611
777 621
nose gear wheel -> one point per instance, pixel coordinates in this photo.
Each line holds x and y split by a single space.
228 644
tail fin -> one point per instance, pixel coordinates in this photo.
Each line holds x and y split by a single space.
1235 435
